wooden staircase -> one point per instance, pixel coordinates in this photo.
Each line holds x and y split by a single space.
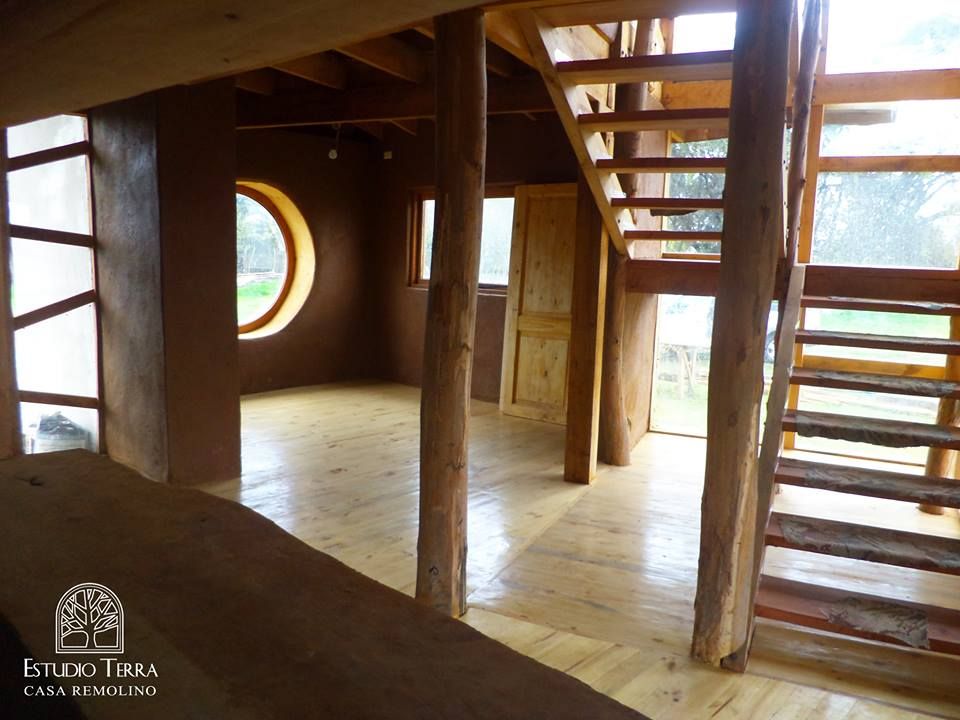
573 79
875 617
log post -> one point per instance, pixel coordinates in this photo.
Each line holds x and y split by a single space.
10 440
753 234
586 340
461 92
941 461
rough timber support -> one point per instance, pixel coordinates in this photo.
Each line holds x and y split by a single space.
9 410
753 236
452 310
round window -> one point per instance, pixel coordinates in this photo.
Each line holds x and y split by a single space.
265 259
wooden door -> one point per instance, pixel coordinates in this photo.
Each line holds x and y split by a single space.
536 343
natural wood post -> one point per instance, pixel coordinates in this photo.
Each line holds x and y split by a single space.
752 237
461 88
941 461
10 440
586 340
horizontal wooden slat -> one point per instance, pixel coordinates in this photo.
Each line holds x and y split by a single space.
543 324
875 382
587 13
891 163
642 120
714 65
912 284
889 433
877 87
828 362
879 342
52 236
51 311
866 305
671 235
673 277
865 542
655 203
860 615
45 398
42 157
662 165
920 489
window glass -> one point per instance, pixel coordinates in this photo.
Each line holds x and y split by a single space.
44 273
59 355
54 196
700 33
884 35
44 134
495 238
887 219
695 185
49 428
262 261
921 127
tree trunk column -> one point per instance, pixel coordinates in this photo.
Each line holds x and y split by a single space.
461 93
10 440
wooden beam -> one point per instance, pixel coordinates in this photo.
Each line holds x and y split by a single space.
887 86
10 440
51 311
261 82
504 32
53 236
525 94
586 340
587 13
753 227
46 398
321 68
892 163
673 277
451 311
390 55
49 155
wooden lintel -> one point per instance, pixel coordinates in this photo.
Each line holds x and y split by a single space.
392 56
260 82
321 68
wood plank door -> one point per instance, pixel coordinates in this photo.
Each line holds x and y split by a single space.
536 342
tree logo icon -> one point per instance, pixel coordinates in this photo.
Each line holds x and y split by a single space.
89 620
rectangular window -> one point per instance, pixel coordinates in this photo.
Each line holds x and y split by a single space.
706 185
495 239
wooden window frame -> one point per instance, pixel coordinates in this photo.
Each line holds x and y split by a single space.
415 235
267 204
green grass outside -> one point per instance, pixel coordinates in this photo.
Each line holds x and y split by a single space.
254 299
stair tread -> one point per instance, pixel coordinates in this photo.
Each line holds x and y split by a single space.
862 615
661 165
876 382
864 542
901 306
879 342
890 433
920 489
660 203
639 120
681 235
679 67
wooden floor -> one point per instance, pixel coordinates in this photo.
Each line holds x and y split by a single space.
599 581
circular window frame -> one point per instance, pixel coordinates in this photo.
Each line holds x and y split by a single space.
289 245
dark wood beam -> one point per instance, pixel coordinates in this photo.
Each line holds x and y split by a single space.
392 56
260 82
10 441
321 68
452 311
524 94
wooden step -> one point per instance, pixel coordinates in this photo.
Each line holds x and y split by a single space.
860 615
879 342
681 67
656 203
919 489
662 165
898 306
891 433
673 235
875 382
640 120
864 542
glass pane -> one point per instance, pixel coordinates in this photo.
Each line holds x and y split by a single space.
887 220
49 428
922 127
44 134
495 239
699 33
54 196
261 260
871 405
44 273
892 35
59 355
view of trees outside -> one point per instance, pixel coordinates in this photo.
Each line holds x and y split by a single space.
696 185
495 237
261 260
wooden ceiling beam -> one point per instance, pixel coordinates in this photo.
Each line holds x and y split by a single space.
392 56
261 82
598 13
525 94
321 68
